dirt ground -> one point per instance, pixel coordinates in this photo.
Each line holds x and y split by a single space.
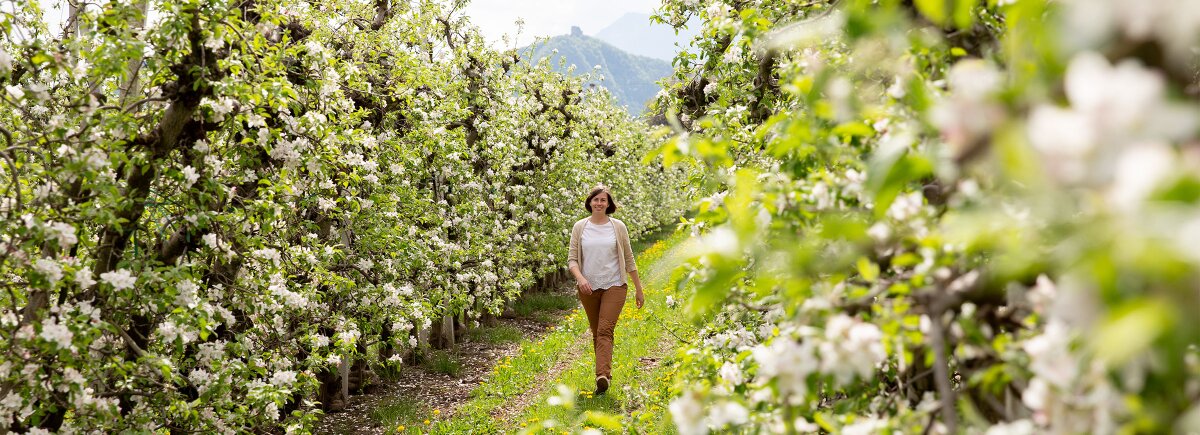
433 390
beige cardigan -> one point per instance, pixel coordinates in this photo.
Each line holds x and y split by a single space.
625 257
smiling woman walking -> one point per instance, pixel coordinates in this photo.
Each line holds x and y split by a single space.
599 257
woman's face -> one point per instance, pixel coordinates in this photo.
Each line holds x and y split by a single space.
600 203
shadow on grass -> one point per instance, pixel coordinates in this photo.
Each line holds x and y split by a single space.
499 334
439 361
607 402
547 303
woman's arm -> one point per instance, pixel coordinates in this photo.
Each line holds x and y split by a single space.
631 266
637 283
582 284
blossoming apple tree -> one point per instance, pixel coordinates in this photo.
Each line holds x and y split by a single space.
941 215
213 211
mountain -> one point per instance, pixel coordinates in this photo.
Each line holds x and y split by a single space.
630 78
634 33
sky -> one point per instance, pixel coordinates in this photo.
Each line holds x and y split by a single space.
549 17
497 17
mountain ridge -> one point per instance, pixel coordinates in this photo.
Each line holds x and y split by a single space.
630 78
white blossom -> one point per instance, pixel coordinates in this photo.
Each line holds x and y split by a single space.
95 159
721 241
564 398
906 206
56 333
1050 356
187 294
788 362
189 176
63 232
1139 170
15 92
119 279
732 373
851 348
283 378
865 426
1019 427
48 268
268 254
210 240
728 413
83 277
688 414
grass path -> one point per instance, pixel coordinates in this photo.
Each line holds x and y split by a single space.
541 383
640 378
516 389
515 395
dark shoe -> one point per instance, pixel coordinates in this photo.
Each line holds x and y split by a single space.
601 385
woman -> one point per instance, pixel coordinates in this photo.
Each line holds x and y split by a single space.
599 257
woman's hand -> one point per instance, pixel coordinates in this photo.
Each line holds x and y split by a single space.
585 288
641 299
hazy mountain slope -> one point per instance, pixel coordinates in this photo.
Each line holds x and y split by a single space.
630 78
634 33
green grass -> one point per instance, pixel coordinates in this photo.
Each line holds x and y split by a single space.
535 303
518 375
498 334
638 395
653 237
397 413
441 361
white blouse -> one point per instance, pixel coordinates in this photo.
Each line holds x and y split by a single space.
600 264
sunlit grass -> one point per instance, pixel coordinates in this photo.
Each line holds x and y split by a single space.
401 415
512 377
638 394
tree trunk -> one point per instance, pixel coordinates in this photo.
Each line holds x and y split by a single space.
446 332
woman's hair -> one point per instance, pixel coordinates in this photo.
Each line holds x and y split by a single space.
612 202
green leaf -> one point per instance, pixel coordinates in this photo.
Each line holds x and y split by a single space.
1185 189
964 13
934 10
603 420
868 269
1131 328
890 173
40 59
850 130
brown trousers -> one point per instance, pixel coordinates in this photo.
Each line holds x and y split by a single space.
603 307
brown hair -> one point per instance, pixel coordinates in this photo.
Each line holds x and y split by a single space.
612 202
